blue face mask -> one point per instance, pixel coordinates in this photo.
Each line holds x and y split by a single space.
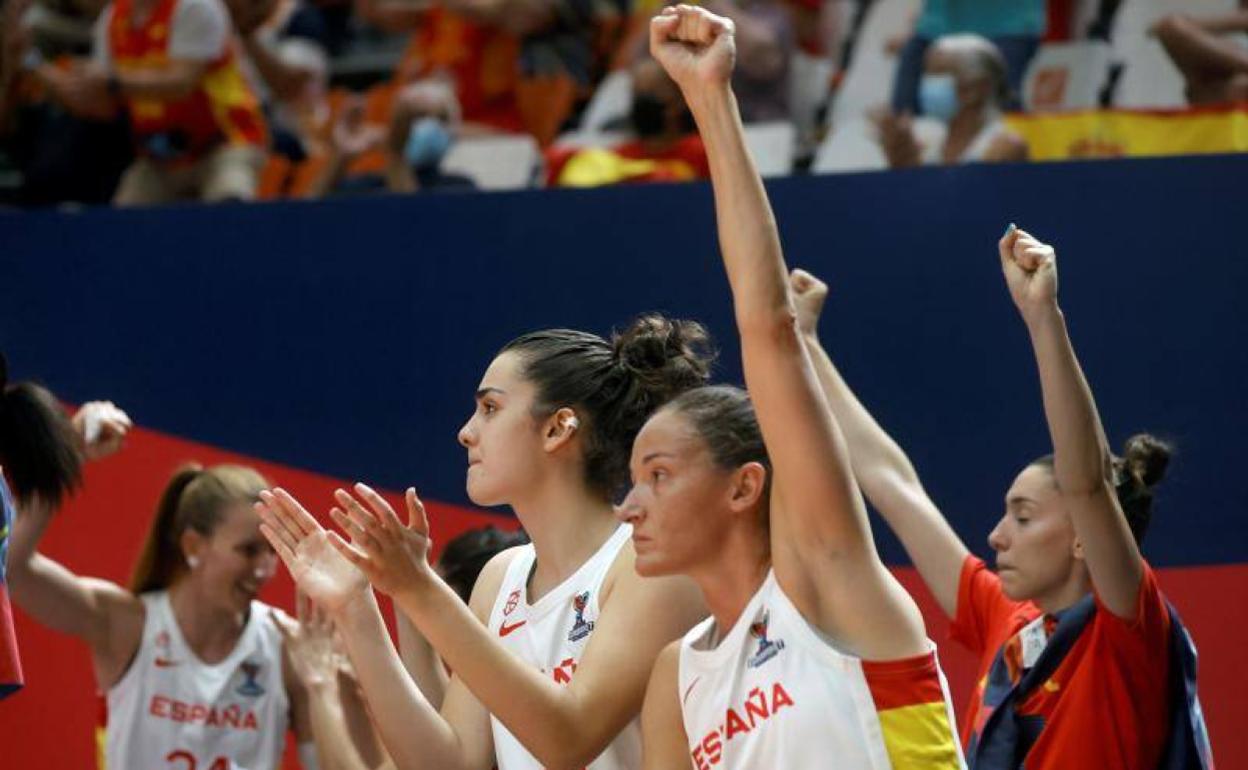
938 97
427 142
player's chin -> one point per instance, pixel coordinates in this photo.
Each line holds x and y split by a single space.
651 564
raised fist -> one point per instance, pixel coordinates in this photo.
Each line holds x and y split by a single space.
695 47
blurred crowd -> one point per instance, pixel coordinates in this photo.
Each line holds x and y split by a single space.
150 101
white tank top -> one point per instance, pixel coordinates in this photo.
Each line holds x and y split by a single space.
775 693
171 711
551 635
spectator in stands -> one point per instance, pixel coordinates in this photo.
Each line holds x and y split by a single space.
284 42
665 146
53 155
196 123
1215 68
422 128
766 41
964 86
517 65
1014 27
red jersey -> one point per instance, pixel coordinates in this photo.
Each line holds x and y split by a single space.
221 109
1106 706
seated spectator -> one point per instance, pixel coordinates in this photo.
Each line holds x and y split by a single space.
421 131
516 65
285 60
196 123
665 148
964 86
1215 68
1015 28
765 40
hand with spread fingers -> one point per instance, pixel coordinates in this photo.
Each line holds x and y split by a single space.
394 555
1030 269
312 554
809 294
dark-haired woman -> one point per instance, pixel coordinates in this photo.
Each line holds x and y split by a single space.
1080 660
814 656
552 654
192 665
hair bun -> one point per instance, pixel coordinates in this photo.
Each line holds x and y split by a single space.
1146 457
668 355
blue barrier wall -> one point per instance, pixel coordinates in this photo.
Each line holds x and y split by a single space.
347 337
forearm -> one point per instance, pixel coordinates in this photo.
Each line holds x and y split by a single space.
748 237
1226 24
165 84
543 715
285 81
336 748
889 481
413 732
421 661
1081 456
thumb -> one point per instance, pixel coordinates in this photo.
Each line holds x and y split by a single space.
1006 245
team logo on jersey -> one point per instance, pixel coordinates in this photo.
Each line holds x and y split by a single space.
580 627
162 659
250 687
767 648
512 600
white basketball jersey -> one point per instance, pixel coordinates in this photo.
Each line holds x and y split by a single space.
550 635
171 711
775 694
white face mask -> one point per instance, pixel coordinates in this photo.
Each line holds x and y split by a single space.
938 97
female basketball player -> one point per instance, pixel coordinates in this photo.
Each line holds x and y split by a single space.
191 664
552 670
814 656
1081 663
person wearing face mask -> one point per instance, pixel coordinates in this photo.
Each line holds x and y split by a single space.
421 132
192 666
965 87
665 147
1014 27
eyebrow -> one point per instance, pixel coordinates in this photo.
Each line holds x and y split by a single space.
483 392
1019 500
653 455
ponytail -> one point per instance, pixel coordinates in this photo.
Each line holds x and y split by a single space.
196 499
161 557
38 444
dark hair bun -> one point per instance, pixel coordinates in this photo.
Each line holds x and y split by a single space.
1146 457
667 355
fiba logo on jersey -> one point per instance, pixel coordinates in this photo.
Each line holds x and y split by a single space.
512 600
250 687
580 627
767 648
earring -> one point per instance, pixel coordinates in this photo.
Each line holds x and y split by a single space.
192 562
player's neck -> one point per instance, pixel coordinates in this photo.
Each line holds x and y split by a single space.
210 633
567 523
1076 586
733 575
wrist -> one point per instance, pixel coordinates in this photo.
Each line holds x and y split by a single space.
356 612
1042 315
710 98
